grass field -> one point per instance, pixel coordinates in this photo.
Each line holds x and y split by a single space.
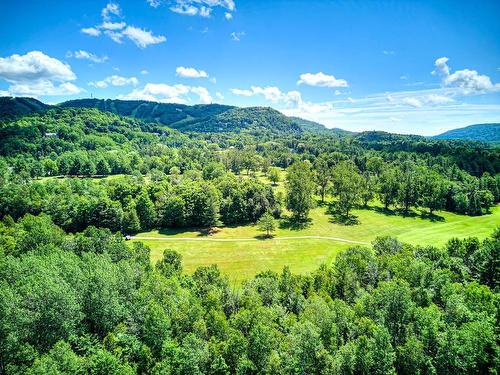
243 258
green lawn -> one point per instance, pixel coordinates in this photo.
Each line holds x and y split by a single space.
241 259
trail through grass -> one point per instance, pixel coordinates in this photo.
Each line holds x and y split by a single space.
240 258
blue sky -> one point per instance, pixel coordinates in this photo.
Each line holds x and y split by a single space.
417 67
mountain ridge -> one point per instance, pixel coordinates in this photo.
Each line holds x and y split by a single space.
489 132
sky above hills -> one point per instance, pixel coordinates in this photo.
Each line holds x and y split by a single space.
419 67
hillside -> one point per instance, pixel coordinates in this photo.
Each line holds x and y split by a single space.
479 132
197 118
252 119
317 128
11 107
164 113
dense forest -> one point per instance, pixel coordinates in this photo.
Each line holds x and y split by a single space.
76 298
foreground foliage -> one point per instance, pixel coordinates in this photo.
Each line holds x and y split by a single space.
89 303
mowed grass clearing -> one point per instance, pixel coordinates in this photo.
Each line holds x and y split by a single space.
241 259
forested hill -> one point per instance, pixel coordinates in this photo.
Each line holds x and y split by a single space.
165 113
479 132
197 118
317 128
12 107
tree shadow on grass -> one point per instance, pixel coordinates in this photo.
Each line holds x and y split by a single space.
201 232
431 217
382 210
343 219
264 236
339 218
410 213
294 223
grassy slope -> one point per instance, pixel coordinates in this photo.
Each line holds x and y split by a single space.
242 259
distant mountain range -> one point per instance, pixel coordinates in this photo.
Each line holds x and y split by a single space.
196 118
223 118
479 132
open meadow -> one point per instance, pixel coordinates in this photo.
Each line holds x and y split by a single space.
240 252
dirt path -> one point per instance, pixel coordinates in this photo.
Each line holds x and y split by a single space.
248 239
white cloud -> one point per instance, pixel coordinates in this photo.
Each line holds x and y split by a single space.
144 71
109 10
470 81
92 31
161 92
203 94
37 74
190 72
394 119
413 102
116 31
403 77
321 80
142 38
185 9
241 92
237 35
441 66
205 11
115 80
201 8
113 25
35 65
81 54
228 16
272 94
437 99
219 95
154 3
418 101
388 52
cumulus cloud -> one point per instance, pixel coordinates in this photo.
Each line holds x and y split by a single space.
115 80
142 38
144 71
242 92
161 92
201 8
190 72
109 10
321 80
228 16
470 81
85 55
272 94
237 35
35 73
92 31
116 30
113 25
